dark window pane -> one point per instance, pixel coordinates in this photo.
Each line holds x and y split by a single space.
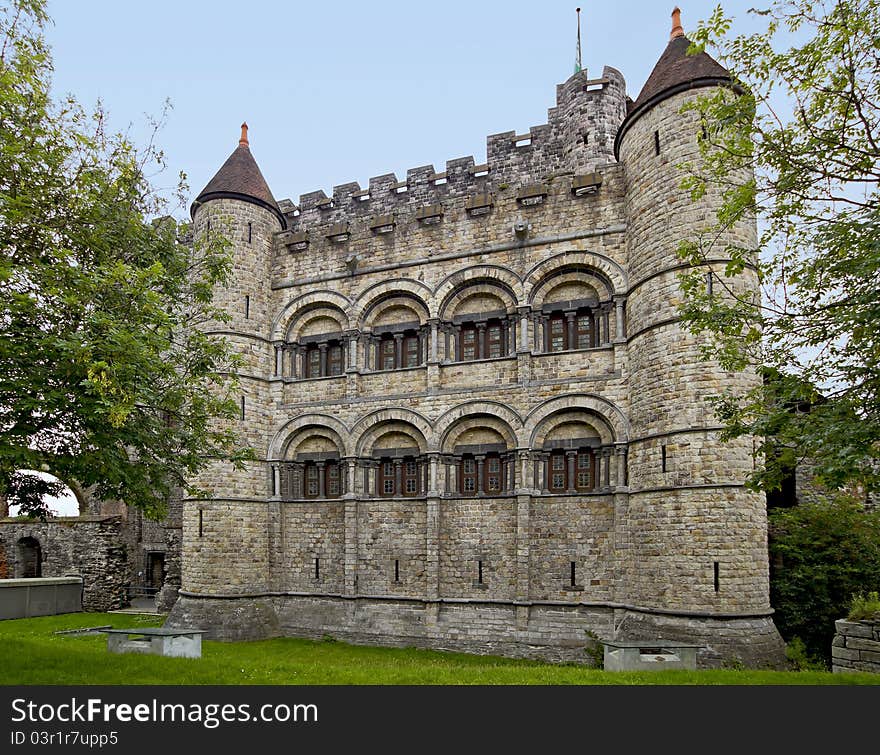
334 360
388 354
411 351
314 366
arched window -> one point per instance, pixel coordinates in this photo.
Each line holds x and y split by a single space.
312 479
482 340
324 358
400 350
399 477
569 330
570 471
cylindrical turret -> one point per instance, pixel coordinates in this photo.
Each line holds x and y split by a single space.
226 541
695 538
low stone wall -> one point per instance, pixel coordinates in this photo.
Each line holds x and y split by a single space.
24 598
856 647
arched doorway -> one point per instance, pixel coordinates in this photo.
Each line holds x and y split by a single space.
29 557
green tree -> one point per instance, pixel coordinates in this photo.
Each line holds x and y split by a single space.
822 554
106 377
797 149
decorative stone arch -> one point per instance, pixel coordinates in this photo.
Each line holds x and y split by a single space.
603 414
492 414
596 266
499 281
299 428
289 317
375 424
374 313
374 295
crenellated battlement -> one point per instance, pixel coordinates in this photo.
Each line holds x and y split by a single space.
578 138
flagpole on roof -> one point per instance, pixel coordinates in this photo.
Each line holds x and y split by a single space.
577 63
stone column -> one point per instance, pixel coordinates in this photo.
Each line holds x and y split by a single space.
570 327
398 350
606 472
606 326
480 463
297 489
295 371
365 348
276 480
279 359
433 475
571 463
322 493
620 451
422 350
523 329
525 466
618 319
481 340
322 347
542 460
352 352
511 335
536 327
365 465
434 347
346 477
398 477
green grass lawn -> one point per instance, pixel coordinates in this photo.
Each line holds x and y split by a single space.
30 653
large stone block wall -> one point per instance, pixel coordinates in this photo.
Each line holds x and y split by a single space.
226 548
310 531
390 531
566 529
476 530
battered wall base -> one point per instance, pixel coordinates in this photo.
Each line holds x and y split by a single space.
752 642
551 633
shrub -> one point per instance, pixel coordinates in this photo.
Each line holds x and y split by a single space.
822 553
865 606
595 649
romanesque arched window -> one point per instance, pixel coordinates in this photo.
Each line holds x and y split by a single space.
571 470
324 358
569 329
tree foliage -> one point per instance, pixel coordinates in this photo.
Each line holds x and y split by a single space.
798 150
106 377
823 553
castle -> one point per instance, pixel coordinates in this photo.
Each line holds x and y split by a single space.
480 422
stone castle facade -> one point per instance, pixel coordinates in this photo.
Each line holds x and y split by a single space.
480 423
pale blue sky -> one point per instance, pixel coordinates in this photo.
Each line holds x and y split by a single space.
342 91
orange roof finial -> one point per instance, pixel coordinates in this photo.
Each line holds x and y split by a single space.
677 31
244 140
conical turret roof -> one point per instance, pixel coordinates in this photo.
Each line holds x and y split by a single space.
240 178
675 72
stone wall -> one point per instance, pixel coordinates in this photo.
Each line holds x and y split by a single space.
856 646
90 547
